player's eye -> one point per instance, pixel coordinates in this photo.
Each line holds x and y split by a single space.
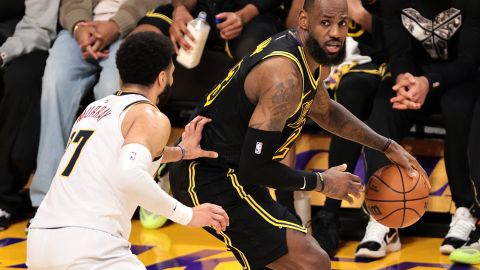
343 23
325 23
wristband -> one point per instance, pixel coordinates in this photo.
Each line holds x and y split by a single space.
182 151
387 145
320 181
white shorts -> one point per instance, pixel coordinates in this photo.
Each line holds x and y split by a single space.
78 248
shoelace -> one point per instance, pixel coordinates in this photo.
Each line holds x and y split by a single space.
4 213
375 232
460 228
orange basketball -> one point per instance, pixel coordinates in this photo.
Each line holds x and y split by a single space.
394 199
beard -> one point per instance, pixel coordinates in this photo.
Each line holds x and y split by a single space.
162 99
321 56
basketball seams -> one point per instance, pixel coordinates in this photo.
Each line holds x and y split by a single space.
395 200
414 186
404 195
387 185
409 200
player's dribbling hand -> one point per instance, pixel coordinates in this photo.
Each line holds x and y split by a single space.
191 138
398 155
341 185
208 214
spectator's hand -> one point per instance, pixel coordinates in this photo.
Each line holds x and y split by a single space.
398 155
191 138
411 92
208 214
106 33
85 36
341 185
178 29
231 26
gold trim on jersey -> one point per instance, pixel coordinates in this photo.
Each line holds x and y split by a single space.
262 212
310 75
282 152
219 88
153 14
193 196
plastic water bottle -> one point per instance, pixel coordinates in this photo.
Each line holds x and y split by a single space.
199 28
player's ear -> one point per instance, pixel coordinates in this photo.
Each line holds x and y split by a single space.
162 78
303 20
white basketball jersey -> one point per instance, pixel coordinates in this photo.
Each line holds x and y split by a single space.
83 192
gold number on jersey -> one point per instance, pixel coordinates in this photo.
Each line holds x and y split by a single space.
79 138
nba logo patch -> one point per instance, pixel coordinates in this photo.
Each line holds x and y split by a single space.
258 148
133 155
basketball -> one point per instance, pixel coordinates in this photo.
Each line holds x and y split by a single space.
394 199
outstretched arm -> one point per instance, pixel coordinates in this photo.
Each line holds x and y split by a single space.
146 131
333 117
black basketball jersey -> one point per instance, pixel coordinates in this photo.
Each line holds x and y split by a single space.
230 110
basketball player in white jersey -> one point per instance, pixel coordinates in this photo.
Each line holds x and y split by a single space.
106 172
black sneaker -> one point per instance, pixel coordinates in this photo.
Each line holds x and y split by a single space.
463 223
325 226
5 220
378 241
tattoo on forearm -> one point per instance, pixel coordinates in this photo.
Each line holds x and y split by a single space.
347 125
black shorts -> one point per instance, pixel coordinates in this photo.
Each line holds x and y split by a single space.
257 234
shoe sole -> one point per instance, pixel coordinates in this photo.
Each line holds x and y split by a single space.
472 258
366 253
446 249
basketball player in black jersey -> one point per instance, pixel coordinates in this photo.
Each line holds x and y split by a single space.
257 113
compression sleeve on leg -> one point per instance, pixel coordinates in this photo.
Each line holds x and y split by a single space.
132 178
258 167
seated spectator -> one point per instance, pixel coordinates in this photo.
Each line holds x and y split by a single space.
470 252
82 58
241 26
434 58
26 32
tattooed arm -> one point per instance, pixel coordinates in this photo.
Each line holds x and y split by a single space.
275 87
333 117
275 93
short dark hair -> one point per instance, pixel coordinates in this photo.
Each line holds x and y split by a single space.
308 4
142 56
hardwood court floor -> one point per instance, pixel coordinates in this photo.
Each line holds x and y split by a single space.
178 248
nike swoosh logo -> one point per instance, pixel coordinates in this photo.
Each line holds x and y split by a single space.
304 183
390 238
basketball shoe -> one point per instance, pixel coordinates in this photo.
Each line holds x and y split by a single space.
470 252
378 241
5 219
463 223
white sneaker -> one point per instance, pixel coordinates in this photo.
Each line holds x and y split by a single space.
463 223
378 240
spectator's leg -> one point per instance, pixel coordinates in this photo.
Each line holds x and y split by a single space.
19 125
67 77
257 30
474 154
356 92
161 18
386 121
457 109
109 80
